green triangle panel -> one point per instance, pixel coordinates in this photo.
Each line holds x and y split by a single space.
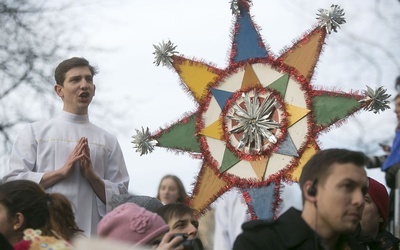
280 85
180 136
228 161
328 109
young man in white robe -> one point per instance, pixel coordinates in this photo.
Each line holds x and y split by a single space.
70 155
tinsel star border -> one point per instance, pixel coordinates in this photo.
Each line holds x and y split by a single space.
307 111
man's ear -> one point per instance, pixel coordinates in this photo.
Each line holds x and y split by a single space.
309 196
58 90
94 90
18 222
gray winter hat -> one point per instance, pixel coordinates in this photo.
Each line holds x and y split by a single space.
149 203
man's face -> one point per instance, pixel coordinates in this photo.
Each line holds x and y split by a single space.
370 218
185 224
77 91
340 200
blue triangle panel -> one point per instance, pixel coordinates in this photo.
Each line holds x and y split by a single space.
221 96
247 40
262 200
287 147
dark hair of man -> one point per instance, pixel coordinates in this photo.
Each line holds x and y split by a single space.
174 210
317 169
179 184
47 212
68 64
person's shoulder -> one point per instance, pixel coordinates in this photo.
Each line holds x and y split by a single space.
258 234
102 132
38 125
388 239
281 225
288 215
256 225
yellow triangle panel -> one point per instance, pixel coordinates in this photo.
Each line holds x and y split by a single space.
207 188
260 167
304 54
295 113
307 154
196 75
250 78
214 130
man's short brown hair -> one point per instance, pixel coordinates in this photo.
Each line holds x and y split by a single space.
68 64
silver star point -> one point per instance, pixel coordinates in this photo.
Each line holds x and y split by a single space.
143 142
375 100
331 18
163 53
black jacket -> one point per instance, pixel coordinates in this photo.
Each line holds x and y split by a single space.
384 241
4 243
289 231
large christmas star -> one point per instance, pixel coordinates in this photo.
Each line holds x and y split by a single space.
257 119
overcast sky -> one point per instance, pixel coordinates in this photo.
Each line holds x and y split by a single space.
145 95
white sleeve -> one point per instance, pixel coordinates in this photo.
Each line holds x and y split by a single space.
116 177
23 156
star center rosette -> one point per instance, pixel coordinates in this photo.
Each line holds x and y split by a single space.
252 122
244 125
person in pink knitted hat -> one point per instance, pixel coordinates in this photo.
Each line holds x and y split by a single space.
133 224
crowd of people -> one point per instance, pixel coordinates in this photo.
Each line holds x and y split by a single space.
67 181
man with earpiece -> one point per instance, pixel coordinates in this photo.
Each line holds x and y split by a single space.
333 184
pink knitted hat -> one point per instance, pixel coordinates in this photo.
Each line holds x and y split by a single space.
132 223
380 196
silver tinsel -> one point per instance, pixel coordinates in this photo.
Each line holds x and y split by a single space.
236 4
331 18
235 7
255 121
375 100
164 52
143 142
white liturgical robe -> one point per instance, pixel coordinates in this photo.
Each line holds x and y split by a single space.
45 146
